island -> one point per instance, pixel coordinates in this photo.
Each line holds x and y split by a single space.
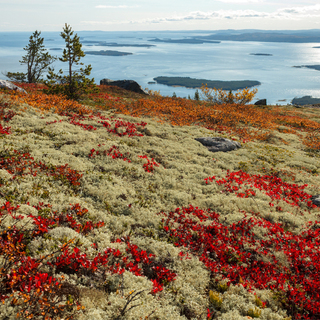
305 100
186 41
115 44
314 66
261 54
55 48
108 53
197 83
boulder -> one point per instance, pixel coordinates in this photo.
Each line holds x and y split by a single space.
262 102
219 144
130 85
316 200
9 85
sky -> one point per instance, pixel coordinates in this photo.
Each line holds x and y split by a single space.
147 15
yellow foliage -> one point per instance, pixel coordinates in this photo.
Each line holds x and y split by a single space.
215 299
254 313
219 96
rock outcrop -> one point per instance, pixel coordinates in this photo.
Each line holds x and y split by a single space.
130 85
316 200
262 102
9 85
219 144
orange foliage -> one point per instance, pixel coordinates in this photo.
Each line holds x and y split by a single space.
219 96
248 122
45 102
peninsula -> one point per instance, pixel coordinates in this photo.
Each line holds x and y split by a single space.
314 66
197 83
306 100
108 53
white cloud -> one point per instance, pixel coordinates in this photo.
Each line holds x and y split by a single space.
289 13
241 1
115 7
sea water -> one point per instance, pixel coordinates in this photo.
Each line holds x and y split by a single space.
227 60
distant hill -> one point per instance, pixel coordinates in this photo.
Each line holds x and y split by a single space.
265 36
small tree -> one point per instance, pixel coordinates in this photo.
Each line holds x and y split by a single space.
75 83
196 95
37 60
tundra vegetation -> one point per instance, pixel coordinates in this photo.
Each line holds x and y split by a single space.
110 209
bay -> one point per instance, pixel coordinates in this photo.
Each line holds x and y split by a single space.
228 60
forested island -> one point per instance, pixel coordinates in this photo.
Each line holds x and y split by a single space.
197 83
108 53
186 41
261 54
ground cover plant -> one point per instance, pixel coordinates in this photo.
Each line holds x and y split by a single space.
110 209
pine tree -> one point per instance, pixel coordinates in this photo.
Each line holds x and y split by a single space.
196 95
37 60
75 83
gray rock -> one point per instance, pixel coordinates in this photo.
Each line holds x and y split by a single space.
262 102
9 85
130 85
219 144
316 200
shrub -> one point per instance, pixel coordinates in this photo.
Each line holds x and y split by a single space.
219 96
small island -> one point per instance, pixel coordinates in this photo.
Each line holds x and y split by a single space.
197 83
55 48
261 54
186 41
108 53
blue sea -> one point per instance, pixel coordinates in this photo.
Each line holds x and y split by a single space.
228 60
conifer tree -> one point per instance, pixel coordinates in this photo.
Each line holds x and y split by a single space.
196 95
75 83
37 60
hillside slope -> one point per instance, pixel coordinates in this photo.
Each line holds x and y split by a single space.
112 183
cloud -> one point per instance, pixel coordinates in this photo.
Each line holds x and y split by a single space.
287 13
290 13
115 7
241 1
